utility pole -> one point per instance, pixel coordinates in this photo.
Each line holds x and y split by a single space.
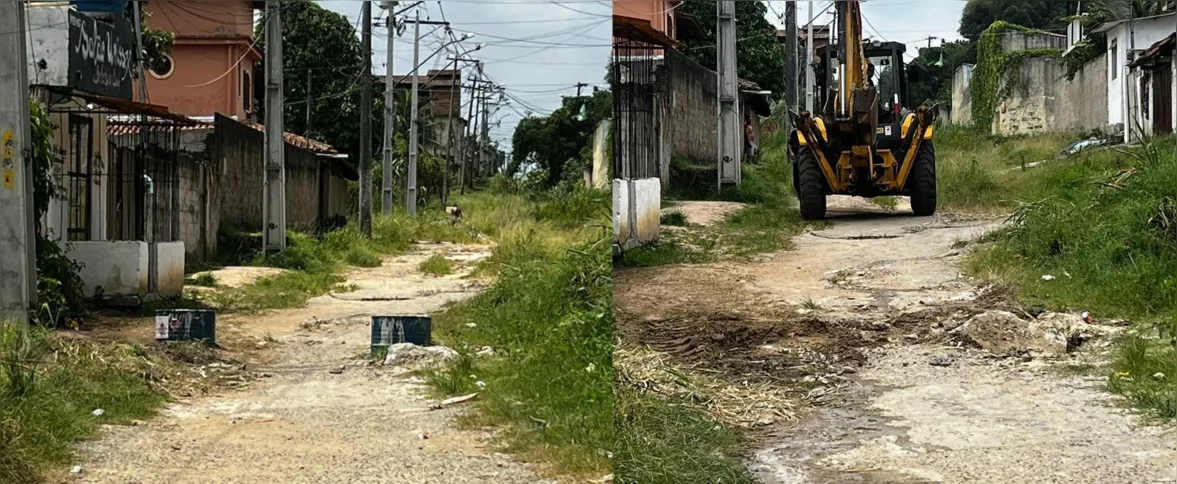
579 86
274 201
485 131
18 288
389 115
729 132
366 122
930 39
790 62
809 75
455 79
411 189
470 124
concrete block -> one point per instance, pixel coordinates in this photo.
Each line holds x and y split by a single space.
648 204
113 268
170 268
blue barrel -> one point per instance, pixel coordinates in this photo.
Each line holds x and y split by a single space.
390 330
186 325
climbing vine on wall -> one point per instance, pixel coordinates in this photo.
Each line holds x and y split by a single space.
990 83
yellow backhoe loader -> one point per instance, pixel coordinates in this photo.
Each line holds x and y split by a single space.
868 141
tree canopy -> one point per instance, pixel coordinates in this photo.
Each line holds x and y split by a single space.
1047 15
560 144
323 45
761 58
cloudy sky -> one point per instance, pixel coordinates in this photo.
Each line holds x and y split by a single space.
539 50
907 21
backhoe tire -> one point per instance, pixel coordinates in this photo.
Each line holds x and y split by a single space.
811 193
923 181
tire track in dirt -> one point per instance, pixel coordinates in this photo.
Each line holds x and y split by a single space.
858 321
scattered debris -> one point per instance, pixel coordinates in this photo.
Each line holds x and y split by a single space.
541 423
1047 277
77 470
337 370
471 325
1003 333
942 360
1158 376
413 357
485 351
480 384
456 400
422 435
98 412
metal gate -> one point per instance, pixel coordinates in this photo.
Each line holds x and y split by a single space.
636 140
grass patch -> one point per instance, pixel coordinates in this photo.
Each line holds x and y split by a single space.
667 441
48 388
885 203
360 257
1103 224
674 218
436 265
548 317
977 172
204 279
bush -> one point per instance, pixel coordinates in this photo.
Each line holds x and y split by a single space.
436 265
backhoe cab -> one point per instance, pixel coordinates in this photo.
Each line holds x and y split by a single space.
868 141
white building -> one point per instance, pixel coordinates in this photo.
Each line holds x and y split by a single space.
1127 39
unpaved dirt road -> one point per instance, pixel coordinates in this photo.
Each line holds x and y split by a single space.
853 320
302 420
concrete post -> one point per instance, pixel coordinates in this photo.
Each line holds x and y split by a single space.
17 258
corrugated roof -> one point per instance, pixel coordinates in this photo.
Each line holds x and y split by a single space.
314 146
640 30
1156 51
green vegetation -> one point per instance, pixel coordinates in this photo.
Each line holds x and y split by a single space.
204 280
674 218
49 388
977 172
548 319
991 82
1104 224
886 203
670 441
436 265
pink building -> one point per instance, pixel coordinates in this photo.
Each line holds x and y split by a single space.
210 69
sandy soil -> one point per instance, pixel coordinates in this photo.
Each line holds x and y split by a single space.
853 320
704 213
316 412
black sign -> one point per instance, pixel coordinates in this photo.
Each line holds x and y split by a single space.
101 55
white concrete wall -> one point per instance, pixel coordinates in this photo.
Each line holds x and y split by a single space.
48 44
118 268
170 268
648 205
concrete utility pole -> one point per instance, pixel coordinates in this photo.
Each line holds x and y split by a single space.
366 122
455 78
17 260
465 176
809 77
791 62
389 114
411 188
307 130
730 128
274 200
483 139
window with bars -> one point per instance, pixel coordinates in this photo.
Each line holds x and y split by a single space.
79 177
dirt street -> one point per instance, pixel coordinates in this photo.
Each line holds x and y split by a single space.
865 322
316 412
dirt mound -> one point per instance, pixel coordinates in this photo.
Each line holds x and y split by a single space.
1003 333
